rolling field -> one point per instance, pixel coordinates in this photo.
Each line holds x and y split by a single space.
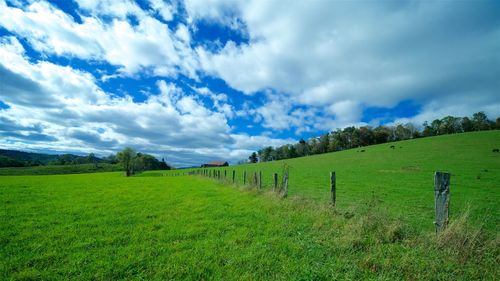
401 179
108 227
105 226
59 169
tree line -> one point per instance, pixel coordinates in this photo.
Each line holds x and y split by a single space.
134 162
352 137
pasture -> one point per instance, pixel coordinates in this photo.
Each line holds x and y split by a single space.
105 226
400 179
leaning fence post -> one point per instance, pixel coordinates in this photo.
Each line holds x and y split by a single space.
442 199
234 174
275 178
333 187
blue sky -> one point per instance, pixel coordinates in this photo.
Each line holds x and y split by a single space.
194 81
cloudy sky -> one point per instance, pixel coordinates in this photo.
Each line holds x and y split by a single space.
198 80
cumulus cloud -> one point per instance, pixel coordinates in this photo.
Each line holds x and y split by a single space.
63 109
148 46
332 54
301 66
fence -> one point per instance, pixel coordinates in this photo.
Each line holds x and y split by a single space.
280 186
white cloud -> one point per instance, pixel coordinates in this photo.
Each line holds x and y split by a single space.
149 46
370 54
164 9
63 109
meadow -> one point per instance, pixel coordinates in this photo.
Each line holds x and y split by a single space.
400 179
60 169
157 226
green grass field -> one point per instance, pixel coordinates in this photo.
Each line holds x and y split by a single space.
402 179
105 226
60 169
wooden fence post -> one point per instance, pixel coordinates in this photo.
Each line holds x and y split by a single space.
234 174
442 199
275 178
244 177
260 179
285 184
225 174
333 186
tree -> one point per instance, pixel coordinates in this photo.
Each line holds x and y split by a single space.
324 142
92 159
127 157
253 158
302 148
467 125
381 134
480 121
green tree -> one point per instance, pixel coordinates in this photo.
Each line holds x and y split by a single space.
253 158
127 158
480 121
467 125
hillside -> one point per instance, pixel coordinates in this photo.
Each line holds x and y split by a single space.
401 179
162 226
14 158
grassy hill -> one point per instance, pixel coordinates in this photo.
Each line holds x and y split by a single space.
401 179
60 169
105 226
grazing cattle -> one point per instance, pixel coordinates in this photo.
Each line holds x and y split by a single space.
495 150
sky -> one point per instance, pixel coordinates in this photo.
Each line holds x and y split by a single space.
199 80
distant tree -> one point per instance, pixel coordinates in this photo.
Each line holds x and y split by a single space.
436 126
293 151
381 134
324 142
497 123
428 131
480 121
314 145
127 157
467 125
450 125
253 158
302 148
366 136
91 159
401 132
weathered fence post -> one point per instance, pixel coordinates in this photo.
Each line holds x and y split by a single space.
260 179
225 174
255 183
285 184
275 178
234 174
333 186
244 177
442 199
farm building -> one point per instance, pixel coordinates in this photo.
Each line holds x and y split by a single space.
215 164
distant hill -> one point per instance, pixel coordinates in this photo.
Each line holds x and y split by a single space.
14 158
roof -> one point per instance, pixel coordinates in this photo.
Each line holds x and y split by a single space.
217 163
